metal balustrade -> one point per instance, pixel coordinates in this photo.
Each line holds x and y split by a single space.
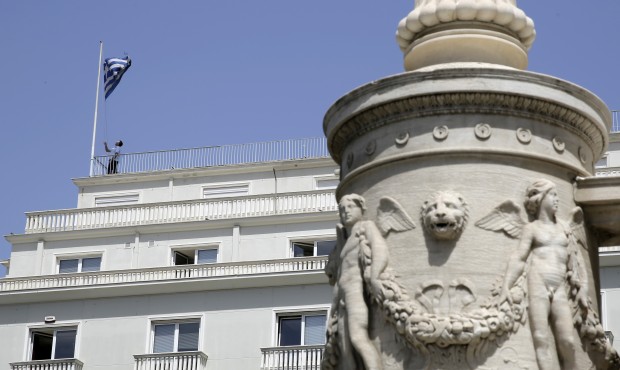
615 125
292 358
63 364
224 155
180 211
194 360
167 273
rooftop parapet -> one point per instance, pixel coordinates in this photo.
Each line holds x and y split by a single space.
213 156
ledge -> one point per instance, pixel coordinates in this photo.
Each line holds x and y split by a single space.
161 280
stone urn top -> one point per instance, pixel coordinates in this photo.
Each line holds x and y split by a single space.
452 31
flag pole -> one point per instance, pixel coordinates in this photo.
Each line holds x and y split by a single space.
92 151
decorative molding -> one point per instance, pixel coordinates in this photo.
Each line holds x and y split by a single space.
524 135
441 132
483 131
463 103
496 14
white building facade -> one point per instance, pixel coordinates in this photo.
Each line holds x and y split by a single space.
204 258
208 258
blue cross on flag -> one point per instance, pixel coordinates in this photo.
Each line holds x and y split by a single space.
113 70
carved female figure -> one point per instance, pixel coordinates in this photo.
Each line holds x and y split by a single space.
545 242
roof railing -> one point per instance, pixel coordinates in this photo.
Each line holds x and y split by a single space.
212 156
615 125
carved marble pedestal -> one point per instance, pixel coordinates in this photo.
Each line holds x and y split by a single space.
469 249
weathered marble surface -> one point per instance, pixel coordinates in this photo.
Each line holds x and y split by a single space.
452 146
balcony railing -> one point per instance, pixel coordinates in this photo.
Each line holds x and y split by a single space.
64 364
194 360
607 171
615 125
167 273
292 358
180 211
281 150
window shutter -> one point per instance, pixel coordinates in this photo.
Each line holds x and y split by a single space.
91 264
164 338
315 330
65 343
207 256
68 266
188 336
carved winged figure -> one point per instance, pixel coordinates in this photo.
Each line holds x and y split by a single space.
549 256
348 343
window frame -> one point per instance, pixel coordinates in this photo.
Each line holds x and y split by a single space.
304 311
116 199
223 186
303 314
327 178
53 329
80 258
176 321
308 240
195 248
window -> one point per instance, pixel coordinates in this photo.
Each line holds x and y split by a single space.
176 336
84 264
225 190
326 183
48 343
312 248
304 329
601 163
116 200
194 256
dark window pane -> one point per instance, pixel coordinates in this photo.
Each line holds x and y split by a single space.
207 256
42 346
324 247
303 249
91 264
68 266
65 344
290 331
164 338
188 336
184 258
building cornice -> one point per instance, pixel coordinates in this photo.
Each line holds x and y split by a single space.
202 172
16 239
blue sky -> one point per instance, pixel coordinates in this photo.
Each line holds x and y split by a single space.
219 72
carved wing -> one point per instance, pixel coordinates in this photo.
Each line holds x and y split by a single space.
577 227
506 217
391 216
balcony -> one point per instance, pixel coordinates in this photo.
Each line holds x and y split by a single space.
64 364
194 360
163 274
180 211
225 155
292 358
607 171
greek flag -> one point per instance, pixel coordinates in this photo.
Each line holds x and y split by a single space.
113 69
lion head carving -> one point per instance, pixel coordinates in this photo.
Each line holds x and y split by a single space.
444 215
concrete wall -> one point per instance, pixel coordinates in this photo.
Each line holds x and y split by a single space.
178 187
235 324
156 249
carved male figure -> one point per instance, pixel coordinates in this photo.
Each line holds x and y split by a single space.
545 241
349 280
